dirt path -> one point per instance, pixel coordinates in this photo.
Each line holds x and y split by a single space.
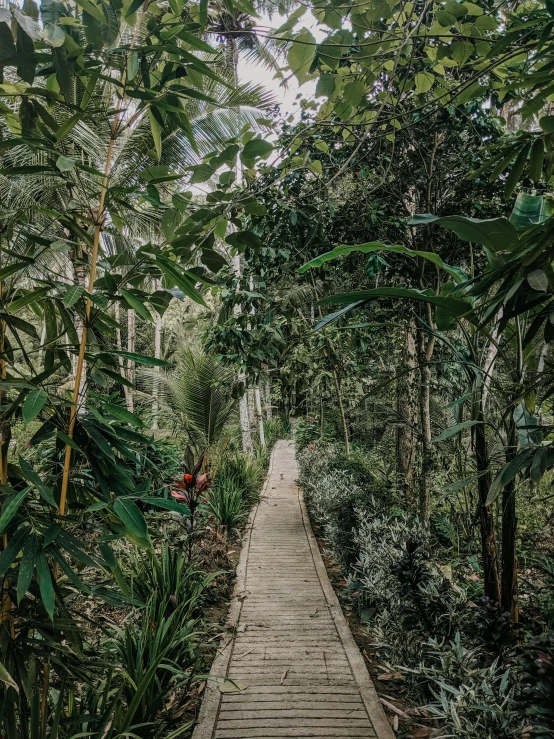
297 669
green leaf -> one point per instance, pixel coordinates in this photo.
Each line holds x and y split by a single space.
34 403
64 164
453 430
69 441
546 122
156 131
122 414
142 359
132 66
316 167
494 233
424 82
536 160
181 278
372 246
332 317
7 679
516 170
301 54
168 505
27 567
11 269
453 306
11 506
256 148
12 550
45 585
136 304
507 474
133 520
72 295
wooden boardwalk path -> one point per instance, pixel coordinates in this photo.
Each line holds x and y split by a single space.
297 669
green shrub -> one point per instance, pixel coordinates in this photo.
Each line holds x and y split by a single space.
226 505
244 472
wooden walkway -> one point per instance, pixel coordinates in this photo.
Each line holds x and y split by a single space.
292 668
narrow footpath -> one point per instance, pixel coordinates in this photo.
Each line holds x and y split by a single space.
292 668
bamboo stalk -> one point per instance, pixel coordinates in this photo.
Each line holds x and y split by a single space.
92 277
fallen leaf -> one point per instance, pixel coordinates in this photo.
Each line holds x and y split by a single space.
201 687
395 723
391 676
284 676
232 686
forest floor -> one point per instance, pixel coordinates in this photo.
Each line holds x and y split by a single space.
292 668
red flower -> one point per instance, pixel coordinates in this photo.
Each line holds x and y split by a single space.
188 479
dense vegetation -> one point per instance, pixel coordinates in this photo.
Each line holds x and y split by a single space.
178 264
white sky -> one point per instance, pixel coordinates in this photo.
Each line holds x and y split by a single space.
286 97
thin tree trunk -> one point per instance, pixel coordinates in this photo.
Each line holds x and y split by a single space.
246 432
342 414
80 278
130 363
120 359
486 520
266 386
405 402
426 349
509 528
258 399
156 380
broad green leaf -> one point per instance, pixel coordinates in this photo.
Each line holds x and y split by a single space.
34 403
547 123
181 278
453 430
136 304
11 506
122 414
64 164
72 295
142 359
168 505
132 66
424 82
373 246
27 567
11 269
6 678
301 54
494 233
332 317
45 585
15 545
256 148
133 520
316 167
453 306
507 474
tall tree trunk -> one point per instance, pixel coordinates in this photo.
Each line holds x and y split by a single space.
425 350
244 415
342 413
246 431
509 528
130 363
266 389
406 394
121 361
80 278
258 400
486 520
156 379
